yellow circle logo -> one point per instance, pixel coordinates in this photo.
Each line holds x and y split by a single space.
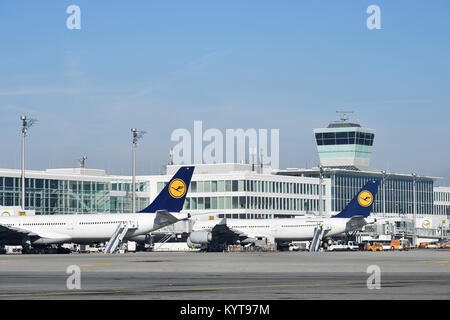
5 213
177 188
365 198
426 224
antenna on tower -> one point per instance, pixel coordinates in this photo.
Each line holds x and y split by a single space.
344 116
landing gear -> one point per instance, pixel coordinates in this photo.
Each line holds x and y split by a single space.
26 248
350 236
282 246
45 250
218 247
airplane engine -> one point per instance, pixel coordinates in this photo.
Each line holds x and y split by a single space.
193 245
200 237
47 241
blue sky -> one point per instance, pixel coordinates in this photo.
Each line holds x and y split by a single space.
160 65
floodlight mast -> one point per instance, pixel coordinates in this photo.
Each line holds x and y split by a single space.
136 136
26 124
414 176
82 162
171 153
321 173
384 176
252 152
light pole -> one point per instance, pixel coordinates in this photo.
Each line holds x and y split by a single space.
261 155
321 171
414 204
136 136
171 156
252 152
26 124
414 197
82 162
384 173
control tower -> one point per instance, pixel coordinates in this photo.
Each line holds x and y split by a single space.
345 144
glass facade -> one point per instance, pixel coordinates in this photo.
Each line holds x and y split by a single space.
267 197
442 200
350 137
399 194
245 197
56 196
398 190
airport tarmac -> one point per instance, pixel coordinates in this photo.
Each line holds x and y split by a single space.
416 274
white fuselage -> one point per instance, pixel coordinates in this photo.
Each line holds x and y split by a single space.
89 228
299 229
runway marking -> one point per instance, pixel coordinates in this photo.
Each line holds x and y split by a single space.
7 261
95 265
134 291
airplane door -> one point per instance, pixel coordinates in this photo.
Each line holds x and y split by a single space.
274 229
133 224
70 225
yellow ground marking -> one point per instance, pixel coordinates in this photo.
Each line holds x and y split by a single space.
134 291
6 261
443 261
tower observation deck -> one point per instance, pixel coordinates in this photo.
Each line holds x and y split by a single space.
345 144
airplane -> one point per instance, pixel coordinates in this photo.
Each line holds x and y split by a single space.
216 236
44 230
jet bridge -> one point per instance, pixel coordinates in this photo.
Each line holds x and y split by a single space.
121 232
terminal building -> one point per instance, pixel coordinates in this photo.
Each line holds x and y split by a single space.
226 190
442 201
242 191
71 191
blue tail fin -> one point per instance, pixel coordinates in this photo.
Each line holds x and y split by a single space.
362 203
171 198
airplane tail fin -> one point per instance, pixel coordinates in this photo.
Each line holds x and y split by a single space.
362 203
172 197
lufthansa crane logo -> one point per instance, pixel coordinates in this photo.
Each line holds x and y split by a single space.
426 224
365 198
177 188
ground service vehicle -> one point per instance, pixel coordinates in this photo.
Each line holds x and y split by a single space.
423 245
374 247
443 245
396 245
342 246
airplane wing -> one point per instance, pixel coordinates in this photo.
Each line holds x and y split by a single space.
16 234
164 218
223 232
7 232
378 219
356 223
